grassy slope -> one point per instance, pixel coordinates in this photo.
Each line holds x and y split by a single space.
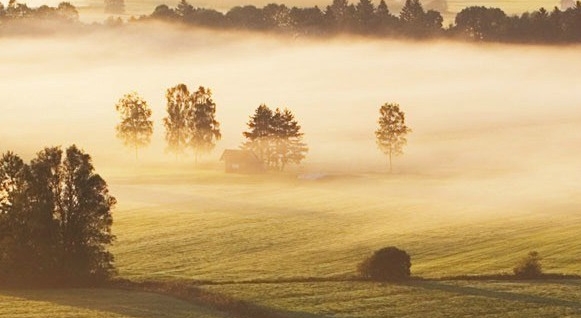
95 303
217 227
417 299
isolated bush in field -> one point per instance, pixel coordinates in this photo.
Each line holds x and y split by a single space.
386 264
529 266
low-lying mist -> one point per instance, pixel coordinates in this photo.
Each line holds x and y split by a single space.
488 111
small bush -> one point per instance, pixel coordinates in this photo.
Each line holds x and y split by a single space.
386 264
529 267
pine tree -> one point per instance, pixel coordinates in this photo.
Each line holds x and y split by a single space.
275 138
260 133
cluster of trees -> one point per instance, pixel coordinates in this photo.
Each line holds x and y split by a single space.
274 136
474 23
15 12
541 26
55 219
190 121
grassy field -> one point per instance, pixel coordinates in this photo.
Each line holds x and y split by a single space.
416 299
96 303
211 226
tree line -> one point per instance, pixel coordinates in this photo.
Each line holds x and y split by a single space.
474 23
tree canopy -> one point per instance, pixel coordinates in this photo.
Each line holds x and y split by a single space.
363 17
55 219
392 131
386 264
191 120
275 137
136 126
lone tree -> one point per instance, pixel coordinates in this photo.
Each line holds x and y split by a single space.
392 131
55 220
205 129
136 127
386 264
191 120
529 267
275 137
115 6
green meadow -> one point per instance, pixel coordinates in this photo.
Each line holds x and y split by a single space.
291 244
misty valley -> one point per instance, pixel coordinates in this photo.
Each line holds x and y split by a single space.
171 167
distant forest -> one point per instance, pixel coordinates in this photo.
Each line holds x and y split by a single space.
475 23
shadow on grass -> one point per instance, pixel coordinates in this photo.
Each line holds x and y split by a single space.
501 295
106 302
198 296
152 300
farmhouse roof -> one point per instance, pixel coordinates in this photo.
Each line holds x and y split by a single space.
239 155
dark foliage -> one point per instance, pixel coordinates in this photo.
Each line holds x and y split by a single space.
275 137
529 267
386 264
18 12
191 120
473 23
55 220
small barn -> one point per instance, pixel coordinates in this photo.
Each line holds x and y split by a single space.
241 161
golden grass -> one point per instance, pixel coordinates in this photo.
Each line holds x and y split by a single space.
96 303
416 299
211 226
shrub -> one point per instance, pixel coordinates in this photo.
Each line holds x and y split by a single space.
386 264
529 266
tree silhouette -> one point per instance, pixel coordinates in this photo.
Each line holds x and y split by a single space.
205 129
365 12
387 264
529 267
392 131
481 23
55 217
178 121
136 127
275 138
288 140
260 133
